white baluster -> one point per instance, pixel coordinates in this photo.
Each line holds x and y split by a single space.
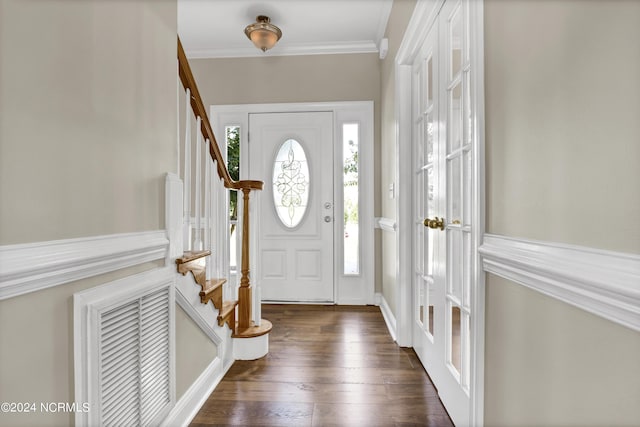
198 212
207 205
254 265
187 174
178 87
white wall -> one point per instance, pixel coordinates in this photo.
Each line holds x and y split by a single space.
562 130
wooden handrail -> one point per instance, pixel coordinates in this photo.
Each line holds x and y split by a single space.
245 328
188 82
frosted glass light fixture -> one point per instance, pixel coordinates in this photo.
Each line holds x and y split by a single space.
263 33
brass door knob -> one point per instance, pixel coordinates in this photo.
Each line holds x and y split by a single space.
434 223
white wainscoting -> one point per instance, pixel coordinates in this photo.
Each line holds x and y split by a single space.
601 282
31 267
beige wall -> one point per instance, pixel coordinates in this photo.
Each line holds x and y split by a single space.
562 130
194 352
313 78
549 363
87 133
398 20
87 117
563 100
36 349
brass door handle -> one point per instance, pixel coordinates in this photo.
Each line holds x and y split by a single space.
434 223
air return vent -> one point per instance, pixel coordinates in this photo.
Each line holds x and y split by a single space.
124 346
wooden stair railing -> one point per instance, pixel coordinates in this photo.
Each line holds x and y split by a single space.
211 290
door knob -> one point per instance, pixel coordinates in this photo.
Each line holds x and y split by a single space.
327 218
434 223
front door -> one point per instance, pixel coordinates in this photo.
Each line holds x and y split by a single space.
443 149
293 154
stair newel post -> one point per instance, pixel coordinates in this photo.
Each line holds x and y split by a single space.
244 293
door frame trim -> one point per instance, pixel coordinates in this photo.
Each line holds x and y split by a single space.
422 20
343 112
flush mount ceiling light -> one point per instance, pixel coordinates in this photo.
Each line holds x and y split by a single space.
263 33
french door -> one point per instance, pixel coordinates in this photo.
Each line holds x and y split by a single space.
292 153
443 180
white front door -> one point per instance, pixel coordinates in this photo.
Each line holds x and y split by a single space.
293 154
443 149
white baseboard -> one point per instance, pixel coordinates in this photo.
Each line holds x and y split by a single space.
31 267
190 403
387 314
601 282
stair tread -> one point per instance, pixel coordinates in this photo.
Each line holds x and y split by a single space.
211 285
227 307
253 330
192 255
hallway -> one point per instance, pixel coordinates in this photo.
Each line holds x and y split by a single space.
327 365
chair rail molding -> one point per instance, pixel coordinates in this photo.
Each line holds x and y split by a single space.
386 224
601 282
31 267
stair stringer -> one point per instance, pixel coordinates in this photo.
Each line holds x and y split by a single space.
205 316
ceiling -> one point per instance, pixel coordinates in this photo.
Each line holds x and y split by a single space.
215 28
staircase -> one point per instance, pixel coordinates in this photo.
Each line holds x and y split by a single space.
248 331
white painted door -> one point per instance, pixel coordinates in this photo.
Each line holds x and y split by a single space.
426 147
293 154
443 208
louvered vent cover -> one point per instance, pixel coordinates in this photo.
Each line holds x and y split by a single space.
124 350
134 361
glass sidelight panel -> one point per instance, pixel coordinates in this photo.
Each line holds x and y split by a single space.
466 269
232 135
455 119
429 137
350 165
431 310
420 298
453 189
466 187
455 42
430 81
430 213
454 263
291 183
456 333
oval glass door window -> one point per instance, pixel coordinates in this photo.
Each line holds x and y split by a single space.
291 183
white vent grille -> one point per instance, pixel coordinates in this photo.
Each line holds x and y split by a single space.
129 351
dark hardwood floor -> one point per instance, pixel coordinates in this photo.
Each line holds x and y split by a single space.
327 366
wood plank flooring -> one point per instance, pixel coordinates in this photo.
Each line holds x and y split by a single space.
327 366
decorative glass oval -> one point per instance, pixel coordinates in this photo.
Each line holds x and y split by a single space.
291 183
